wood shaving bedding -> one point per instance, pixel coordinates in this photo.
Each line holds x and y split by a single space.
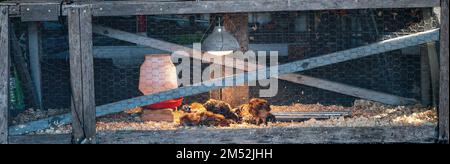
363 114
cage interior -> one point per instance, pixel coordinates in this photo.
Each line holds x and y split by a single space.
295 35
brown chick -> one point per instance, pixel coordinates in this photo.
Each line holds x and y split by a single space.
257 111
198 115
221 107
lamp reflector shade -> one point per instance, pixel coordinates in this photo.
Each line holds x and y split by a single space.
220 40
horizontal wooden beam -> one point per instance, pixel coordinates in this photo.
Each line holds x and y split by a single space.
49 10
276 135
115 8
297 66
349 90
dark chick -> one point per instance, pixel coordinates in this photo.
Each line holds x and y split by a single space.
221 107
257 111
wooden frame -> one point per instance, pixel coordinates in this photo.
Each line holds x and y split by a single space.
49 10
305 135
4 73
82 49
301 65
444 91
82 75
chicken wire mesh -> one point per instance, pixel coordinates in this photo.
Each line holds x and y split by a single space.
295 35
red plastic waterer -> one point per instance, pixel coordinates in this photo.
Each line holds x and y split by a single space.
172 104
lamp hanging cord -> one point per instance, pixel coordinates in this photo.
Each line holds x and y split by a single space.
206 31
221 33
60 18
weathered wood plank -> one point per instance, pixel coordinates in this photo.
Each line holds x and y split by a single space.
297 66
88 74
116 8
34 57
39 10
444 92
82 75
430 51
275 135
433 59
349 90
425 77
4 73
279 135
41 139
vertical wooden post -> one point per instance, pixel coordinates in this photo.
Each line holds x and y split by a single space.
82 75
433 59
429 66
34 57
237 25
4 73
425 76
443 100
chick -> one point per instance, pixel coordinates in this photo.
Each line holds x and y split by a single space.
221 107
257 111
196 114
203 118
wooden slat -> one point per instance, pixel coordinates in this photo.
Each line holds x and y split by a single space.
444 92
349 90
116 8
4 74
82 75
39 9
41 139
39 12
275 135
297 66
425 77
433 59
